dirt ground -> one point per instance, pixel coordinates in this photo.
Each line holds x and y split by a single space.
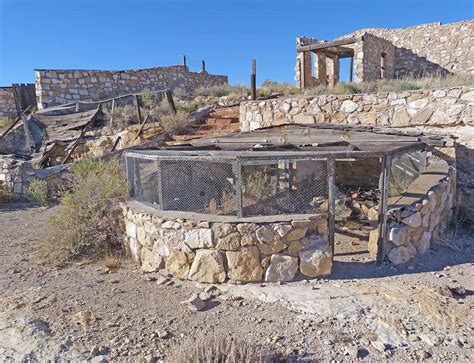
363 311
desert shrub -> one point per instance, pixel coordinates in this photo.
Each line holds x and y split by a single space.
6 196
222 350
180 94
236 92
87 222
38 190
124 116
149 99
269 88
174 123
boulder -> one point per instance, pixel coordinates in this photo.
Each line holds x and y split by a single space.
151 262
208 267
414 220
245 265
424 243
198 238
399 255
294 247
135 249
398 235
282 229
248 240
281 268
296 234
194 303
230 242
178 264
171 225
246 227
373 242
269 242
131 229
223 229
315 262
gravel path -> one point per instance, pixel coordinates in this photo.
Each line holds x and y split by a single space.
85 311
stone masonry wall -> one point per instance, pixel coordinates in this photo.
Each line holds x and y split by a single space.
430 48
412 229
447 111
219 252
55 87
7 103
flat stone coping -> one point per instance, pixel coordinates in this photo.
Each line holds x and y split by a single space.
144 208
436 171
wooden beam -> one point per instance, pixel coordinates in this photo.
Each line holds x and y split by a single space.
141 127
117 140
335 43
138 109
351 69
15 121
169 97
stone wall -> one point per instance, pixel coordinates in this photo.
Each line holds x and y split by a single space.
412 229
16 175
447 111
55 87
216 252
7 103
430 48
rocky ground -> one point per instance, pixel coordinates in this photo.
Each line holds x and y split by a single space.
363 311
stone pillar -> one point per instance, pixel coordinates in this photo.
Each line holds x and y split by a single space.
332 66
320 67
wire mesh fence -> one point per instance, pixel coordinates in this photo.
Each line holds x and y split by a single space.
234 187
404 169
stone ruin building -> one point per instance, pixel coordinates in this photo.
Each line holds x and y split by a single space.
303 182
429 49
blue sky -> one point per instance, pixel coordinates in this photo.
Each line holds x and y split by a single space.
130 34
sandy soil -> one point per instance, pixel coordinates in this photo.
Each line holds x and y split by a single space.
364 311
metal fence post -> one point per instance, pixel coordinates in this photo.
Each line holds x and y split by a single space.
237 166
159 183
383 186
331 203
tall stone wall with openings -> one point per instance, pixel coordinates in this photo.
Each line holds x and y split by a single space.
55 87
430 48
7 103
444 111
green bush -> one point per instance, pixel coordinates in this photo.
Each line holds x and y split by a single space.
88 221
38 191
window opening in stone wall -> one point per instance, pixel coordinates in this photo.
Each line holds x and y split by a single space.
382 66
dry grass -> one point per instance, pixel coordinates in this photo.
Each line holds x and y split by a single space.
174 124
269 88
222 350
233 93
113 260
393 85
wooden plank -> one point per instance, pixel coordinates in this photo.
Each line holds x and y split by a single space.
141 127
137 102
334 43
13 124
117 140
169 97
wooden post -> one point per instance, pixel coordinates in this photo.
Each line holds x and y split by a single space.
112 112
253 80
169 97
383 187
351 69
331 203
117 140
203 66
184 61
138 109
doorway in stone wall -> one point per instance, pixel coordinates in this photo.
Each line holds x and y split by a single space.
357 205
